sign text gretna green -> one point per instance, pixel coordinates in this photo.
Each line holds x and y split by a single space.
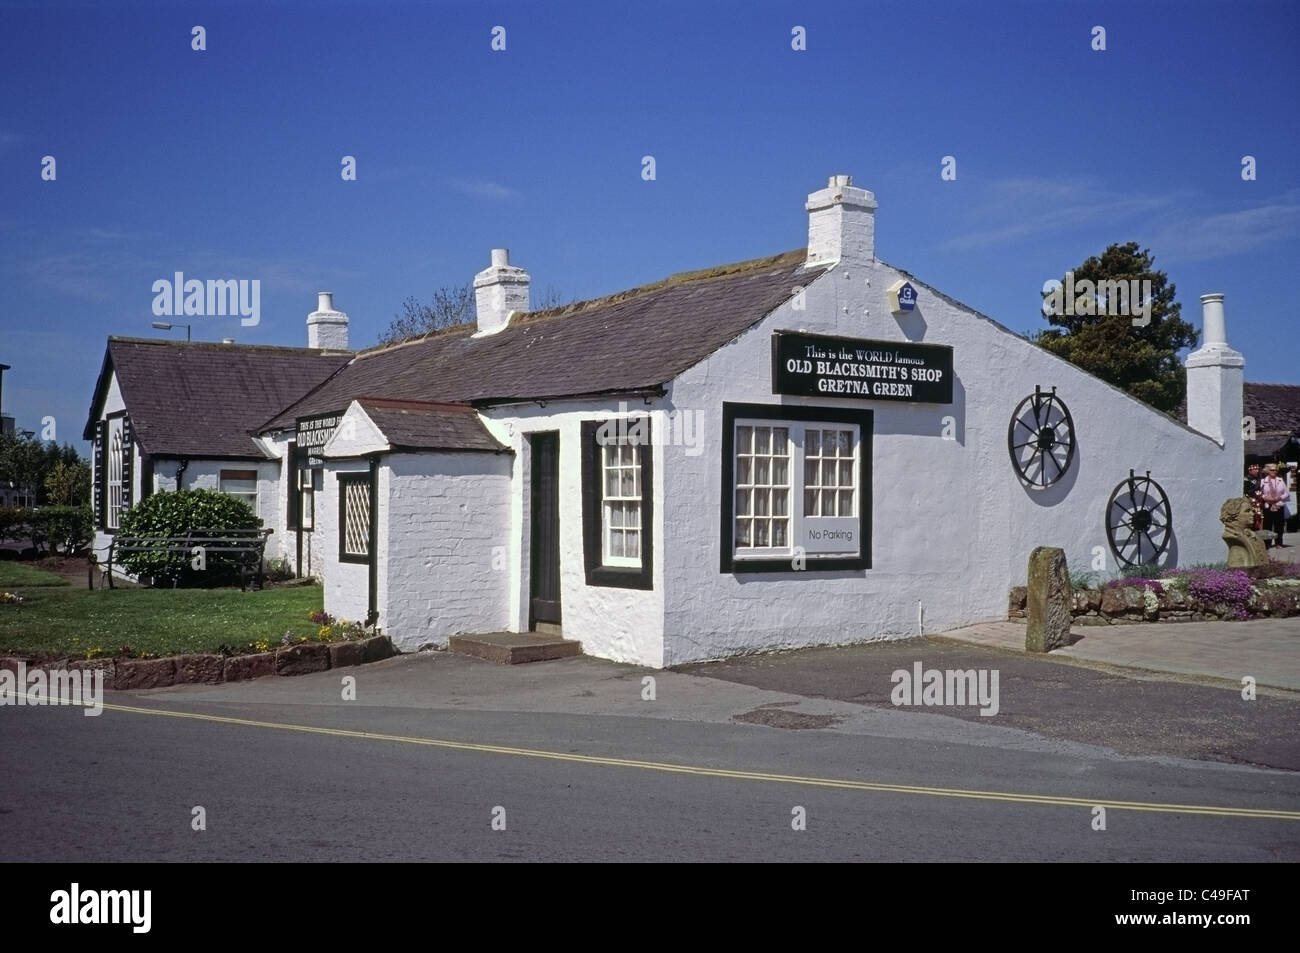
817 365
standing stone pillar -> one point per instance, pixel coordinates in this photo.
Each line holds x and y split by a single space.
1049 601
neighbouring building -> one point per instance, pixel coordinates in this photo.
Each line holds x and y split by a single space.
811 448
174 414
1272 423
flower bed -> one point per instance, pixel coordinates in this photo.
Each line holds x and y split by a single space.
1183 595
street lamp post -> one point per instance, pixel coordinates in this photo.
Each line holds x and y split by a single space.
3 368
164 326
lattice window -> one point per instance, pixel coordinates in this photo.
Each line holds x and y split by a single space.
356 516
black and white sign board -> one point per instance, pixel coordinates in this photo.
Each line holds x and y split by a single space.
314 433
818 365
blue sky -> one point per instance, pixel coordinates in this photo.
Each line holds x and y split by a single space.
225 163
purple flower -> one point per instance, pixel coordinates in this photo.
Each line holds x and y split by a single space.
1223 586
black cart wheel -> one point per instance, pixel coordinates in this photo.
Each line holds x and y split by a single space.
1139 521
1040 439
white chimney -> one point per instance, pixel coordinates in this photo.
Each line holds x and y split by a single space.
841 223
1214 385
327 328
500 290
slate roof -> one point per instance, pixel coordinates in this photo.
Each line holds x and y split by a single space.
1276 411
202 399
1274 406
636 340
412 425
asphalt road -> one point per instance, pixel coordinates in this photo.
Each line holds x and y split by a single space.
586 768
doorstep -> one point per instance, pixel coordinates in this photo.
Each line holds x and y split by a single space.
513 648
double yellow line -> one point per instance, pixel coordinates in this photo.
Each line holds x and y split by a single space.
727 773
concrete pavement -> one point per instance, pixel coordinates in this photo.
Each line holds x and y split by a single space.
1266 649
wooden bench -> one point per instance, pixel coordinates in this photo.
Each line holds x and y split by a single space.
247 546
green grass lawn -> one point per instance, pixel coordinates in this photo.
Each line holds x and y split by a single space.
16 574
68 622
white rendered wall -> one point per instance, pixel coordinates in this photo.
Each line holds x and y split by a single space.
283 543
113 404
952 527
276 487
347 591
443 537
624 625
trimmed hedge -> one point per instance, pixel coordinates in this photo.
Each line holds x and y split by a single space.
50 528
177 513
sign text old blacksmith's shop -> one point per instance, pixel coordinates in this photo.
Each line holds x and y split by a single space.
815 365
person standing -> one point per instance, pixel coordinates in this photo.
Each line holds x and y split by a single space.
1250 490
1291 519
1250 485
1273 494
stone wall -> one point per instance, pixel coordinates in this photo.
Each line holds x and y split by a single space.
1130 604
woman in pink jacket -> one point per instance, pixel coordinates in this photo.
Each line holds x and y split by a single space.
1273 493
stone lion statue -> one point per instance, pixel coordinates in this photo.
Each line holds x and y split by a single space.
1245 548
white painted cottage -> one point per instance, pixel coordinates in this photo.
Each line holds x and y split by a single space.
806 449
168 415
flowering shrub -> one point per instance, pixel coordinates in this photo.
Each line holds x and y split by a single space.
10 598
340 631
1225 586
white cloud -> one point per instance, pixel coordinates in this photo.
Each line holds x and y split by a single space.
88 274
483 188
1201 237
1010 210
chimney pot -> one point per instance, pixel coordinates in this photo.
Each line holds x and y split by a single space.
1214 385
327 327
1214 329
841 223
500 290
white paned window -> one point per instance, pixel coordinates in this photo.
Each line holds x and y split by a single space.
777 462
309 484
240 483
115 451
830 472
762 487
621 502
